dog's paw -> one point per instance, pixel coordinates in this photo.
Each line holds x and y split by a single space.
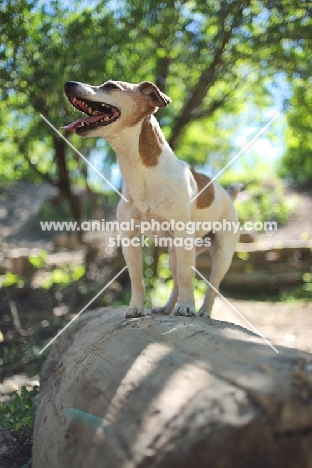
161 311
203 313
134 312
184 310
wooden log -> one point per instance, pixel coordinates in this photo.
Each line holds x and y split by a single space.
171 392
275 268
258 278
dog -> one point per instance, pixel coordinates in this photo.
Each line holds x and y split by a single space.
158 186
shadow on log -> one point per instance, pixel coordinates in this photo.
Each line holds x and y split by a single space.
171 392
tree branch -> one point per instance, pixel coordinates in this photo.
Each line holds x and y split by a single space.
200 114
207 79
216 104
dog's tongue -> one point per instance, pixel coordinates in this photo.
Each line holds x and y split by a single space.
72 126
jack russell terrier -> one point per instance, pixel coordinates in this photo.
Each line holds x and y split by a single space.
158 186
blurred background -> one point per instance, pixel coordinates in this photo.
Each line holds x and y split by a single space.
228 67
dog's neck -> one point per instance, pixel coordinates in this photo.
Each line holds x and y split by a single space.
140 150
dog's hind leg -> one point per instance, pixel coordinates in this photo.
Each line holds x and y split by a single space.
168 308
221 250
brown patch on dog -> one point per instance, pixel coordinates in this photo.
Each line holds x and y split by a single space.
143 109
150 143
206 198
140 115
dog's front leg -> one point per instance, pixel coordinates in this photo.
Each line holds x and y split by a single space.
132 252
184 276
133 258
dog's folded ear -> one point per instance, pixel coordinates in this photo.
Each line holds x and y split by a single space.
151 91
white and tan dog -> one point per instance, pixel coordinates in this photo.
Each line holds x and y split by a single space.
157 185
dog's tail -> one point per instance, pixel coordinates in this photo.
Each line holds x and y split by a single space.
233 190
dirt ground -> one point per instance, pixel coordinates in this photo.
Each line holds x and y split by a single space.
284 323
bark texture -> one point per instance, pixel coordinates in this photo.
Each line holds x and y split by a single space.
171 392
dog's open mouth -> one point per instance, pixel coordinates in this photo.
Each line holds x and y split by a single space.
100 114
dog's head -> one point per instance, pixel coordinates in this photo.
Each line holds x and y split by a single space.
112 106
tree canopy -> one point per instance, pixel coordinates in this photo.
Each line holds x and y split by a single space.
297 161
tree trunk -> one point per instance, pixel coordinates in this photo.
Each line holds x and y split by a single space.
171 392
64 182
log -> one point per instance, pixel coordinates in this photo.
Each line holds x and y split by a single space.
171 392
272 268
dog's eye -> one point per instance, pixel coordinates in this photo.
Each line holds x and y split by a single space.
109 86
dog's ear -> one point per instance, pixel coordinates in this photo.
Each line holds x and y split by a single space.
151 91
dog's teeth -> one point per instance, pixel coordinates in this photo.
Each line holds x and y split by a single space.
90 110
106 117
74 100
82 124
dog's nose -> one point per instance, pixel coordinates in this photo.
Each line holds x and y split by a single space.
70 84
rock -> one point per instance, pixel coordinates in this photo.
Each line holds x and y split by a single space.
171 392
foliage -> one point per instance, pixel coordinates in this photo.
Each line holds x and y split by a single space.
303 292
19 412
67 274
307 287
209 57
51 45
10 279
38 260
296 164
63 276
18 417
266 202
